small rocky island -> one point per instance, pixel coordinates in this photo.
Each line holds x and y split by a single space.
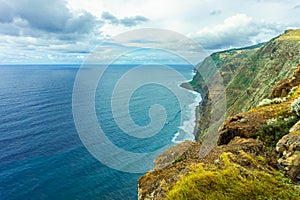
257 152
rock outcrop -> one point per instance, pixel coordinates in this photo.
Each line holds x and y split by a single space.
154 184
246 124
289 150
283 88
254 143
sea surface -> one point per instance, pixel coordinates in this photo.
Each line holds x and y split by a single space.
41 153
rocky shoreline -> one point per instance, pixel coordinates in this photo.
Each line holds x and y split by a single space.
186 86
258 150
238 137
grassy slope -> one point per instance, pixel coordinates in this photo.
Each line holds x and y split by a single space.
248 74
246 169
233 181
244 176
250 82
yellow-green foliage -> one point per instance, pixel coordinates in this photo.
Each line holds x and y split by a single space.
295 93
295 133
232 181
291 35
262 160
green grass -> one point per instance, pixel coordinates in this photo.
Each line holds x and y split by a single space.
232 181
291 35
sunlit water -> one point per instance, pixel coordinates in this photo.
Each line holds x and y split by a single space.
41 155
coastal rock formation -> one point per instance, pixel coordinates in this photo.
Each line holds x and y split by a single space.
154 184
283 88
249 75
289 149
255 141
247 124
172 155
249 138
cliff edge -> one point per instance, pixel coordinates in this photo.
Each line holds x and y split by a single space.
258 150
249 75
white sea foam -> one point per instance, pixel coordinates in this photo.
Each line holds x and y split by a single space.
186 130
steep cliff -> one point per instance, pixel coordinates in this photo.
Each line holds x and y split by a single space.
257 157
258 151
249 74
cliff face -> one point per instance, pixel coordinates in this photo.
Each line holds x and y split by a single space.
249 74
253 147
257 142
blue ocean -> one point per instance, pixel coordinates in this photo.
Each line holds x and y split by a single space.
42 152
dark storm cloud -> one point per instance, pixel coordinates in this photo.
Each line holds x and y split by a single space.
40 17
126 21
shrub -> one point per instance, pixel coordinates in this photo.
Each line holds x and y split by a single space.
274 130
295 106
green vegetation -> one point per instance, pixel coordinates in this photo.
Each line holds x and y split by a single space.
249 75
226 62
274 130
294 93
232 181
228 172
179 159
291 35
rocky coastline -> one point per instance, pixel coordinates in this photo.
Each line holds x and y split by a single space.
257 155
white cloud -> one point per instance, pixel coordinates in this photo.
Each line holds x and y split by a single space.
126 21
236 31
69 29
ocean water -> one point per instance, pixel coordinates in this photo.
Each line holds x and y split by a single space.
41 154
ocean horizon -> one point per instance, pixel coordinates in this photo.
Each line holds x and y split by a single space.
41 154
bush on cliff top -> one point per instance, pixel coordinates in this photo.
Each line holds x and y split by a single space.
275 129
232 181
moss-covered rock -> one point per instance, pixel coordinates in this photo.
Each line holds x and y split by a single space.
247 172
232 180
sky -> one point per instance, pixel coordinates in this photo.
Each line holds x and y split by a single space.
68 31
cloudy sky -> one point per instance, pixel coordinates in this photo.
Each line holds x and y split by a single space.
66 31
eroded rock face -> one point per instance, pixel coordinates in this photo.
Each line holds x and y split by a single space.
289 149
246 124
269 64
283 87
